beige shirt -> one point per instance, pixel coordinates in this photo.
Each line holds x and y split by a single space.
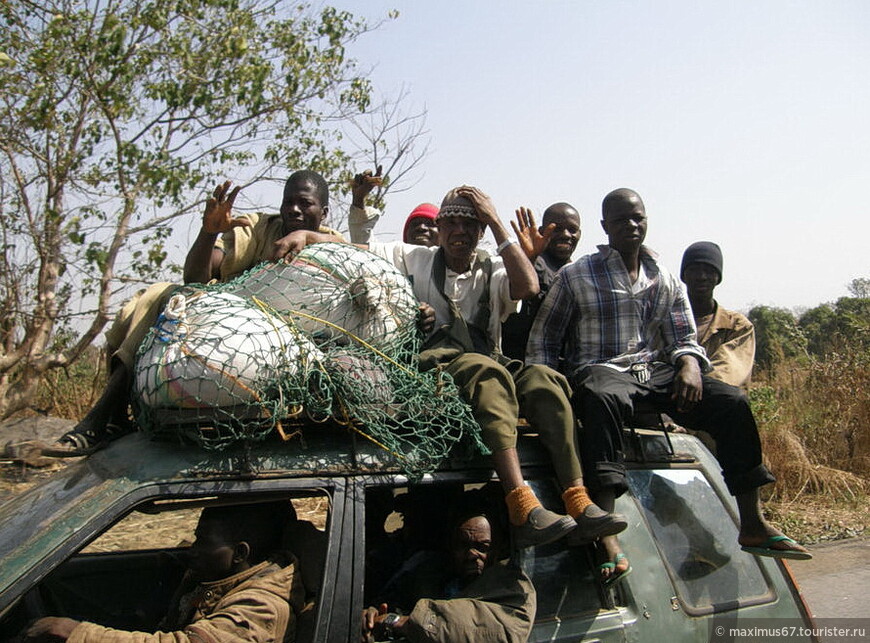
245 247
729 340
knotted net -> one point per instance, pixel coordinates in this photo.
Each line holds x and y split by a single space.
330 337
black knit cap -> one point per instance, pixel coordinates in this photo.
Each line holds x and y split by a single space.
703 252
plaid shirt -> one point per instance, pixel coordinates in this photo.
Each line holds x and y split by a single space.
593 314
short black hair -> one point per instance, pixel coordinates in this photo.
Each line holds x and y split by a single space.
617 196
260 525
310 176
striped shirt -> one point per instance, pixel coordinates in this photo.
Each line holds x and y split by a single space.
598 316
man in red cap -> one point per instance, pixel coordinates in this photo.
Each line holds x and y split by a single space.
420 227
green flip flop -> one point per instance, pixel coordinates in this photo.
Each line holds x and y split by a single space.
611 580
766 549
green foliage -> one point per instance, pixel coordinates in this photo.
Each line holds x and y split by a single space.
777 336
829 327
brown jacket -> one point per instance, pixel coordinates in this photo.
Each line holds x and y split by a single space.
259 605
499 606
730 344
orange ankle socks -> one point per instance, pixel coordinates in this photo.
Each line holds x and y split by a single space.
576 500
520 503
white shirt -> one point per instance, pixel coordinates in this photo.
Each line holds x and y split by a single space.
465 288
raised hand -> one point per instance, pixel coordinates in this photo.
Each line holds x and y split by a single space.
531 240
486 211
218 210
363 183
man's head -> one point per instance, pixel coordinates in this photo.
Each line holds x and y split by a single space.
305 202
624 220
566 234
420 226
476 534
701 269
231 539
459 229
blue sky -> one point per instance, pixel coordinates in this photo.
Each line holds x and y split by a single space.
744 123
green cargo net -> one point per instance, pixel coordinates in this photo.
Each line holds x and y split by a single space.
329 338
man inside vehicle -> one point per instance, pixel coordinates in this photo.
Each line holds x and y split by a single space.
548 248
468 294
239 586
463 594
625 330
225 247
727 336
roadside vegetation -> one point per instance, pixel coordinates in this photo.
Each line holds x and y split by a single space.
811 396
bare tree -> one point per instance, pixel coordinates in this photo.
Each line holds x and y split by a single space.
391 135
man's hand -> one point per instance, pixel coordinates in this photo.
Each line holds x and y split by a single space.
51 628
218 210
425 318
363 184
369 620
486 212
531 240
288 247
688 387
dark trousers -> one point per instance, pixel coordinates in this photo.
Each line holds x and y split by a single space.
604 399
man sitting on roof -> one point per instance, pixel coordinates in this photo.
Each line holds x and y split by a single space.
238 587
224 248
727 336
624 327
469 294
548 248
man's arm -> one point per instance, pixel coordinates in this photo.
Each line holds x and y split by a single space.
521 274
499 606
203 259
732 359
554 318
361 220
531 240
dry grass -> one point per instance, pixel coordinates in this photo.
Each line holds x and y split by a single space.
814 420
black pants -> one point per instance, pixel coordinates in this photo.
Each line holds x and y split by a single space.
604 399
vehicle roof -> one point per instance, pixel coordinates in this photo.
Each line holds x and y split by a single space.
38 522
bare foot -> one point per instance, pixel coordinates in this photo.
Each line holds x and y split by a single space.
616 564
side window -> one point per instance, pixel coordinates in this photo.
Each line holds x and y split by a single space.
413 550
697 538
133 574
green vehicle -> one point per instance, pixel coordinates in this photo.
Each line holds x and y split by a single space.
99 541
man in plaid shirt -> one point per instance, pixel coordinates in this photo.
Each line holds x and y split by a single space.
626 331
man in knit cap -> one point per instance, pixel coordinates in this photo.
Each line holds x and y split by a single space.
469 294
420 226
727 336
